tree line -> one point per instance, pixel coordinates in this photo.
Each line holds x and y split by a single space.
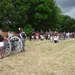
32 15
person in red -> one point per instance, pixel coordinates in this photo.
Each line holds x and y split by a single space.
37 35
2 38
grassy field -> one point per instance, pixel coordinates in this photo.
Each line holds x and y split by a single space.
41 58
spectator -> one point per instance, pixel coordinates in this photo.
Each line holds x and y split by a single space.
41 35
22 35
56 38
64 35
1 44
51 36
37 35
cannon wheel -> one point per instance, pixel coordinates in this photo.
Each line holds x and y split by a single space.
7 48
19 46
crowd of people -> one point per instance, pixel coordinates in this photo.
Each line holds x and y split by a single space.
53 36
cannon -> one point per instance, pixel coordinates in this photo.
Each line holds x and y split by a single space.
14 44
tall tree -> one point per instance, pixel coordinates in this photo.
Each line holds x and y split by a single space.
43 14
37 14
67 24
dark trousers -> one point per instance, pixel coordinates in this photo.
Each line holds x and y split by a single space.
55 41
1 51
23 42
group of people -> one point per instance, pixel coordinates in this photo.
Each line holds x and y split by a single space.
36 35
53 36
68 34
10 34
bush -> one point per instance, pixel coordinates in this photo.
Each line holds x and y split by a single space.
28 29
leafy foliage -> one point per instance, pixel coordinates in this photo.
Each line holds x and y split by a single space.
28 29
33 15
68 23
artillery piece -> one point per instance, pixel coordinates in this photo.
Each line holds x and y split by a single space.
14 44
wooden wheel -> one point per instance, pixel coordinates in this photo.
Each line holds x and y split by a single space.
7 48
16 44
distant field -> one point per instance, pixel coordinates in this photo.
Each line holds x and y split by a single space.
41 58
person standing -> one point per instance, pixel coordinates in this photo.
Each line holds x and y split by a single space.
64 35
22 35
41 35
51 36
2 38
37 35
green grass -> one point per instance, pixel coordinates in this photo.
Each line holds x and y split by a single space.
41 58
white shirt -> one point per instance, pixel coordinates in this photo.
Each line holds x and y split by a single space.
1 44
55 37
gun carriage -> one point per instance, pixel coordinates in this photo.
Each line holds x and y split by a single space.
14 44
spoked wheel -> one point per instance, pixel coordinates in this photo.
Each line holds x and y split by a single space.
7 48
16 44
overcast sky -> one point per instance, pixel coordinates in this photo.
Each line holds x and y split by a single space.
67 7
